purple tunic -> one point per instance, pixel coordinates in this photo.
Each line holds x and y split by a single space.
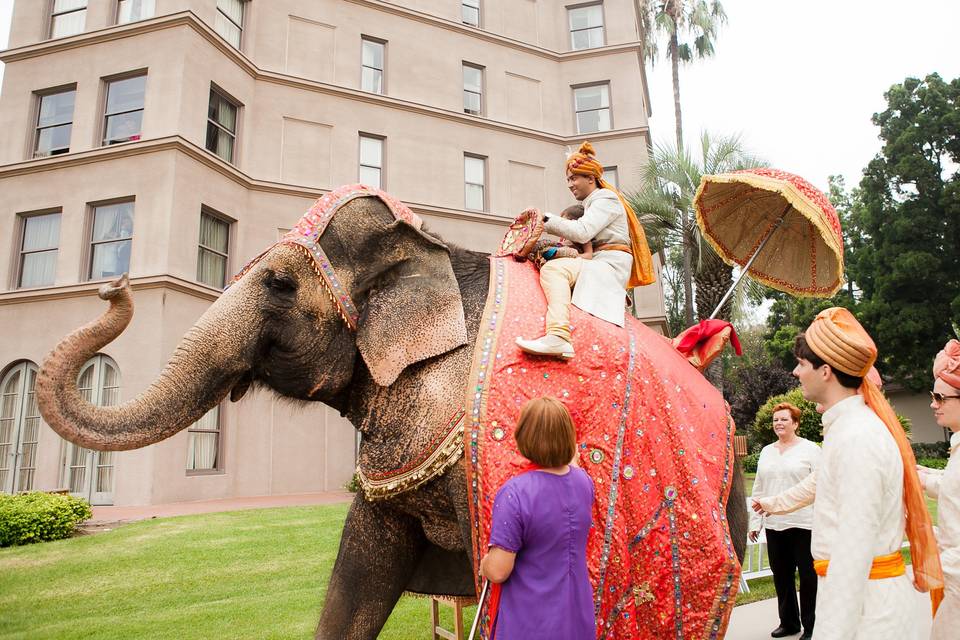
545 518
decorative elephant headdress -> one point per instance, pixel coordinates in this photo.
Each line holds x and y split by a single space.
428 292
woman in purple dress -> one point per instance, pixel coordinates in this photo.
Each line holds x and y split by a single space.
538 534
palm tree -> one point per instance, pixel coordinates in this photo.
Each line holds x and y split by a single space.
699 21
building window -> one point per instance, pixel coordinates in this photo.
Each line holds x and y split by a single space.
67 18
474 178
472 89
89 473
611 176
229 20
124 113
221 125
133 10
371 75
586 26
38 250
111 240
470 12
19 428
213 250
54 124
592 105
371 161
203 448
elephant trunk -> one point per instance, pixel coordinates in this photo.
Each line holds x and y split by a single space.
207 363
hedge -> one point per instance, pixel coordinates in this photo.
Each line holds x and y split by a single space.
932 463
39 516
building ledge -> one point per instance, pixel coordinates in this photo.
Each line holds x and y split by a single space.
88 289
192 21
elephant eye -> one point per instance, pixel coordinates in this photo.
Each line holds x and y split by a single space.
281 283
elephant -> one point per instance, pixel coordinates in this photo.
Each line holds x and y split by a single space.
404 365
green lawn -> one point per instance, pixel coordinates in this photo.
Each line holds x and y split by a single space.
244 574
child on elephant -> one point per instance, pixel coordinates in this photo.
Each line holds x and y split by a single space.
566 248
537 558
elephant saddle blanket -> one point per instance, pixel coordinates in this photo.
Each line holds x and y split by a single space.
653 434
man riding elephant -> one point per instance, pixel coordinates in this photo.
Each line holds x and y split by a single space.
621 258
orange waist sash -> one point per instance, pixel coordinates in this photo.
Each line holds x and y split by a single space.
614 247
888 566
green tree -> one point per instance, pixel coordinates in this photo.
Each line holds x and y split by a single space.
908 212
690 27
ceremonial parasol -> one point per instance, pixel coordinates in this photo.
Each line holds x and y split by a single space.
776 226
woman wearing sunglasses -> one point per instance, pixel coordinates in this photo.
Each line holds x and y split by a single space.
945 487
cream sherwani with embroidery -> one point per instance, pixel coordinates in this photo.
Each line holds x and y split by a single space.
945 487
858 515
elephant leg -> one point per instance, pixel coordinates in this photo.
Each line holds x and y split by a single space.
737 517
379 549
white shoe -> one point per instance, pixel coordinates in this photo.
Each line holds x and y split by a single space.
548 345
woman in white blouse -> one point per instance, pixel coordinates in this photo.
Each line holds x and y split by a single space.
783 464
945 487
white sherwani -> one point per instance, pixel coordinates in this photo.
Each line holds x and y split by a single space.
858 515
945 487
601 286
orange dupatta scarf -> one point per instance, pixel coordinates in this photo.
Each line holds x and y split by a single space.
641 273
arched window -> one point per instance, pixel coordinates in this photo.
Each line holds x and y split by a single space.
89 473
19 428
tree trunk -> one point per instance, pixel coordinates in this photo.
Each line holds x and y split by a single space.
714 278
685 215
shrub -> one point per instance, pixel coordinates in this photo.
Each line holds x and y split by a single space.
810 427
353 485
930 449
750 462
932 463
38 516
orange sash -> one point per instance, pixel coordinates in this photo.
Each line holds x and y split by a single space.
888 566
641 273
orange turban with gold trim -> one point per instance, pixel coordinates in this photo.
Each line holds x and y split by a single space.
841 341
584 162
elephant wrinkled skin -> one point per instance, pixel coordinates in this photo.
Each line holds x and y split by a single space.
406 366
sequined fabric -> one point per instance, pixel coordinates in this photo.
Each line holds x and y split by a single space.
653 435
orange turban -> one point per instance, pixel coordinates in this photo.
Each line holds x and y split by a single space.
584 162
946 366
841 341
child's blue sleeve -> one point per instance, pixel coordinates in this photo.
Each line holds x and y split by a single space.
549 253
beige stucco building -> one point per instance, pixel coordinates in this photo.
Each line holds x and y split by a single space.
176 139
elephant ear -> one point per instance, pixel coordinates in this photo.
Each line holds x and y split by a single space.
414 311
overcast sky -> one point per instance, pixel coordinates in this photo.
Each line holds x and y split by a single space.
799 80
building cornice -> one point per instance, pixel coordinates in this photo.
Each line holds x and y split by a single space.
88 289
189 19
213 162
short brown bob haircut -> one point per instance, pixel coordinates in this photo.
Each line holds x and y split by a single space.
786 406
802 350
545 434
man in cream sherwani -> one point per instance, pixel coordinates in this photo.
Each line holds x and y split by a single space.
859 510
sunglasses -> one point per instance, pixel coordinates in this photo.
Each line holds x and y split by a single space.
939 397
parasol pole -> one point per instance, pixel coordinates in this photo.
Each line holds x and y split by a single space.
746 267
476 618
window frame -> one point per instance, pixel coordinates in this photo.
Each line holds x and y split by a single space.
90 225
383 157
479 8
609 107
602 27
54 14
243 21
105 83
37 107
219 468
19 253
483 86
219 217
238 106
383 72
483 185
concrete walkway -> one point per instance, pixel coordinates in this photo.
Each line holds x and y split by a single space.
114 515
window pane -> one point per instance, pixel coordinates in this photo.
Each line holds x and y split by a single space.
41 232
370 176
133 10
204 441
126 94
474 197
222 111
229 31
592 97
371 151
373 54
611 176
56 108
68 24
590 121
113 221
110 260
473 169
596 37
472 79
211 268
124 127
233 9
586 17
213 233
372 80
53 141
470 12
471 102
60 6
220 142
38 269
